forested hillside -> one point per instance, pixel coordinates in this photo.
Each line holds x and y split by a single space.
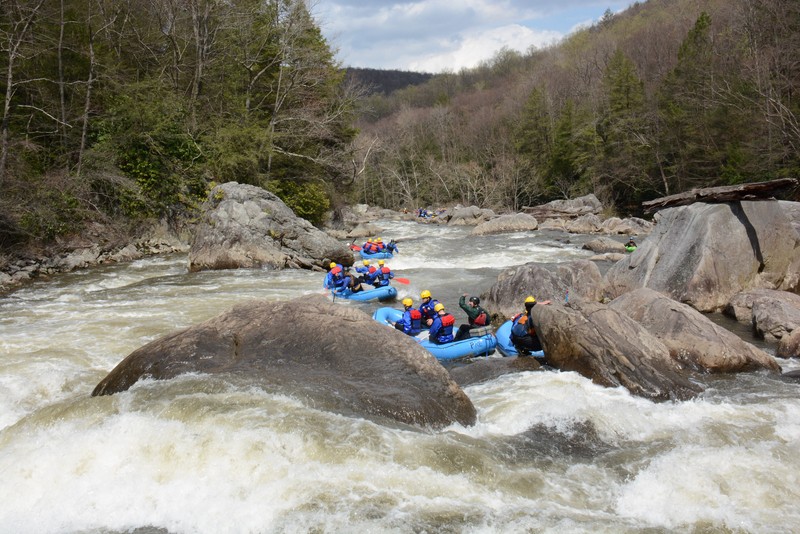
385 81
666 96
121 110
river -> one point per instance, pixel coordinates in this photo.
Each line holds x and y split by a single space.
551 452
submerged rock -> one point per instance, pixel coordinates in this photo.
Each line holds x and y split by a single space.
311 348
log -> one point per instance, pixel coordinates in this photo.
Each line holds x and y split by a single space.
728 193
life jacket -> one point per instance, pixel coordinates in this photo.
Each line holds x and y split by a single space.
336 270
520 326
385 272
416 321
446 333
481 320
427 309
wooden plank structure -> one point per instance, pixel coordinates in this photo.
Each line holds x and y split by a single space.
728 193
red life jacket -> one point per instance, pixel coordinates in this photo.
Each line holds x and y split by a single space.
416 320
448 320
481 320
336 270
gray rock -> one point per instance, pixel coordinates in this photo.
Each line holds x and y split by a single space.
486 369
246 226
703 254
313 349
604 245
611 349
514 222
691 337
470 216
581 278
585 224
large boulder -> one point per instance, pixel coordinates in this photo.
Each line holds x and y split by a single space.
581 279
470 216
703 254
513 222
313 349
243 226
691 337
611 349
566 209
773 314
603 245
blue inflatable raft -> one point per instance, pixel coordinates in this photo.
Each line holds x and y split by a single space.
387 315
505 346
466 348
385 255
379 293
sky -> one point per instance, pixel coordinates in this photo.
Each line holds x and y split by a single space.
447 35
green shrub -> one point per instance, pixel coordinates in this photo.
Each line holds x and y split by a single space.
307 199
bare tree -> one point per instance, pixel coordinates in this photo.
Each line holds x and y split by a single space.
21 16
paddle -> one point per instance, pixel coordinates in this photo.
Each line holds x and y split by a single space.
401 280
354 247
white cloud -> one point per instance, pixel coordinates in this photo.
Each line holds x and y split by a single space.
436 35
471 50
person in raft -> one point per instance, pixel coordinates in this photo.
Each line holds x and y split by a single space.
365 269
343 281
426 308
328 283
442 328
630 244
476 316
381 276
369 247
392 247
411 322
523 334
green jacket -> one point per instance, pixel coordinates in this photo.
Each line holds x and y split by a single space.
473 313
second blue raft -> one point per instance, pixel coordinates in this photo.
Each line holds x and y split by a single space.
379 293
504 344
466 348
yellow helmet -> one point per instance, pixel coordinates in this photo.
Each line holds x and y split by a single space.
379 240
425 294
530 299
365 262
408 302
333 264
369 240
439 307
380 262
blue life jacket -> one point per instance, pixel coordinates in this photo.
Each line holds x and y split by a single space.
412 322
427 309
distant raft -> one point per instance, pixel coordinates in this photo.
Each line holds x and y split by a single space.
505 346
384 255
379 293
